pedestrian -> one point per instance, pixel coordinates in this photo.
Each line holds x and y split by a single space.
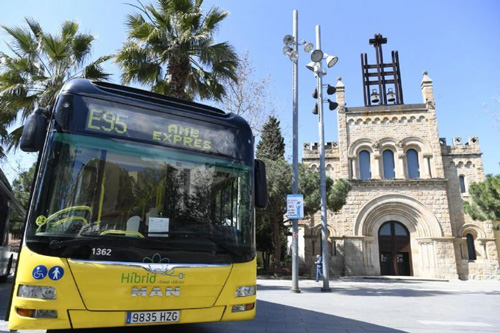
319 267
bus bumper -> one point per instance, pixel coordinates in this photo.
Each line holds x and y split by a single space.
90 319
93 319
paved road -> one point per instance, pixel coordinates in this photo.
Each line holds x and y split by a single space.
356 305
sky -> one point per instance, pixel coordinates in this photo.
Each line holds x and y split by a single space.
456 41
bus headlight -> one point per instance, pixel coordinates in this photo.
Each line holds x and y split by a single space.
245 291
41 292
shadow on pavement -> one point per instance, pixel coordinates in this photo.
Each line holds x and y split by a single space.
401 292
363 291
385 290
271 317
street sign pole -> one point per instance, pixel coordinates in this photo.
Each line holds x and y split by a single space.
295 177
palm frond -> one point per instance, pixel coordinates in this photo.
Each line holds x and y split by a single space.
160 19
20 66
40 65
35 27
137 64
94 70
222 58
81 46
69 30
134 21
142 9
54 48
181 6
7 118
162 86
142 32
14 138
23 41
213 18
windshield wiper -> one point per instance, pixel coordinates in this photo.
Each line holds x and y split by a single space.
151 243
110 239
59 244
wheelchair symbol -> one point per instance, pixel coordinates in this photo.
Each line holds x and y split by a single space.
39 272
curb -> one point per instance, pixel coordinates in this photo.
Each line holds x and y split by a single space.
403 278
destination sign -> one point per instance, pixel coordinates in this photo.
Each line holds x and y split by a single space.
160 128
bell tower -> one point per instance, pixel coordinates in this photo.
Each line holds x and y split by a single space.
381 81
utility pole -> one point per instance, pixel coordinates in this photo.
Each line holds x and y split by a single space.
295 162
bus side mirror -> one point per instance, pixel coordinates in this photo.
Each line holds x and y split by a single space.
260 184
34 131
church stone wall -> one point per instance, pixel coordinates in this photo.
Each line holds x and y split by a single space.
397 128
464 159
421 205
310 157
429 207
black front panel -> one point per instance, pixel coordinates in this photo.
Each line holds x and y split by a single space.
159 127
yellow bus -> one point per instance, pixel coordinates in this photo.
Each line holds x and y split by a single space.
142 213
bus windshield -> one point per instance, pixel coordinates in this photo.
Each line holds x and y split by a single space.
116 200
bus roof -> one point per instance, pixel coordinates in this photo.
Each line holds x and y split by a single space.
162 103
87 87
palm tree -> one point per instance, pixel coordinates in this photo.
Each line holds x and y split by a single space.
170 49
40 65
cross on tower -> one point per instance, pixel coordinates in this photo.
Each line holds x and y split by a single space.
378 40
387 76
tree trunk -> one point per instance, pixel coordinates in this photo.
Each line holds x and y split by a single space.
265 260
277 248
178 68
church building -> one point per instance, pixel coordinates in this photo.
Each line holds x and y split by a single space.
404 213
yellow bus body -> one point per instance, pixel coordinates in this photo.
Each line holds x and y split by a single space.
100 294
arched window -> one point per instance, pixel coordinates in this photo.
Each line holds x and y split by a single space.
388 158
364 165
470 247
462 183
412 162
329 169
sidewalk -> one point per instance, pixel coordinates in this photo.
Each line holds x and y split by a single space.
361 304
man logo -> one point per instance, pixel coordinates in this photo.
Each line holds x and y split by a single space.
156 291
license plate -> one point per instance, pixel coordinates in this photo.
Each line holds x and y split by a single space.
144 317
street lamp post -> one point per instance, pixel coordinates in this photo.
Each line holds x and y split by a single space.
295 162
293 55
291 51
316 66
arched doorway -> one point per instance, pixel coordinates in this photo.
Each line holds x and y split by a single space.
394 248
